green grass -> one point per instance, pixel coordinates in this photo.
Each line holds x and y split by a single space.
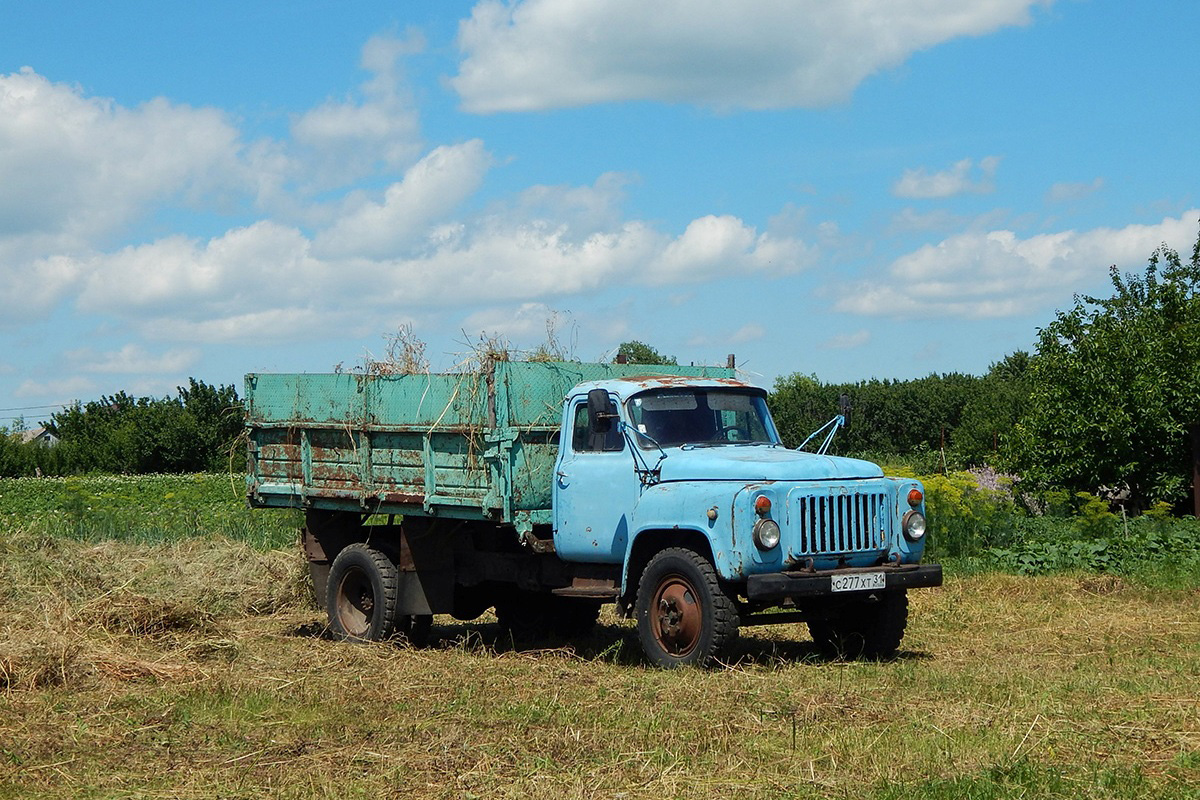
1007 688
147 509
185 660
1033 782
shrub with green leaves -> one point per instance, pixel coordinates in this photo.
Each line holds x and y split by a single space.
978 522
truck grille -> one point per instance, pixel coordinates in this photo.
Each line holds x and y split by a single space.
841 523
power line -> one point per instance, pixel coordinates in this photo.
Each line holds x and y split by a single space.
35 408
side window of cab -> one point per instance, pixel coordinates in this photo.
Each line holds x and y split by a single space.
584 441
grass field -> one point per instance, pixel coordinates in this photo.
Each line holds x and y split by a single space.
153 660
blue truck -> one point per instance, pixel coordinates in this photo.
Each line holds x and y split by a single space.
543 490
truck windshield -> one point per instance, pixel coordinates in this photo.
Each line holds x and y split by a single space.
702 416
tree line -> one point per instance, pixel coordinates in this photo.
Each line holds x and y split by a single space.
1108 402
953 418
194 431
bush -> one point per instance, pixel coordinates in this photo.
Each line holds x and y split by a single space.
978 523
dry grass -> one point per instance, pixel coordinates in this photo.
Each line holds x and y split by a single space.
405 355
198 671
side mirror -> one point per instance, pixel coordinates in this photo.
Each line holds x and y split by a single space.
600 416
844 410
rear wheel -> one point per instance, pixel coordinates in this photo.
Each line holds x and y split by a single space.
361 594
867 628
684 617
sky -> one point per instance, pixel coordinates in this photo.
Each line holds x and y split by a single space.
856 189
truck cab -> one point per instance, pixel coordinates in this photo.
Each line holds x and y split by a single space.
696 469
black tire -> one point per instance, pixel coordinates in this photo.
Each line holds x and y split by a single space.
361 594
415 628
870 628
684 617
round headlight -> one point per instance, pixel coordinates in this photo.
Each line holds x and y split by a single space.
914 525
766 534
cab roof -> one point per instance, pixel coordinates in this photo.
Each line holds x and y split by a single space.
627 387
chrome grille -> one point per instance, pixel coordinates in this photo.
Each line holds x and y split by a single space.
840 523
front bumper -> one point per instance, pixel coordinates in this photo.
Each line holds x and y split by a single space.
782 585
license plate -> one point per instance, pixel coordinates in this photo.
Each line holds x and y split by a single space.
859 581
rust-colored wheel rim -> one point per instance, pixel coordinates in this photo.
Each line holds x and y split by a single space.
355 603
676 617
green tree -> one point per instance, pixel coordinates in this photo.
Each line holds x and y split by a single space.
800 404
888 417
192 432
638 353
1115 387
984 433
218 415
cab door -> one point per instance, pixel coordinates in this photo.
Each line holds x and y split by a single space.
595 490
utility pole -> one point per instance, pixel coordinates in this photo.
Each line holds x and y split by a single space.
1196 470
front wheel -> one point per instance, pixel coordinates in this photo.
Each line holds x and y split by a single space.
684 617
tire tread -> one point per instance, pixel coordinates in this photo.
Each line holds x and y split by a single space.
725 618
366 558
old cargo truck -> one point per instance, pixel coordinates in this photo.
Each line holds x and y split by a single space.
544 490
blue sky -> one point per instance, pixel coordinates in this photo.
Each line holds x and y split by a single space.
875 188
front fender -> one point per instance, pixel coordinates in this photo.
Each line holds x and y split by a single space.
669 514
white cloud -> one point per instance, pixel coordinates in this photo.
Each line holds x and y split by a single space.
710 338
177 271
75 167
355 260
747 333
919 183
1064 192
527 55
534 327
524 323
76 170
432 188
269 325
713 246
57 388
32 287
342 140
847 341
132 359
265 279
998 274
581 208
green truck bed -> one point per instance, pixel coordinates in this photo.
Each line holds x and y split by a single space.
473 445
